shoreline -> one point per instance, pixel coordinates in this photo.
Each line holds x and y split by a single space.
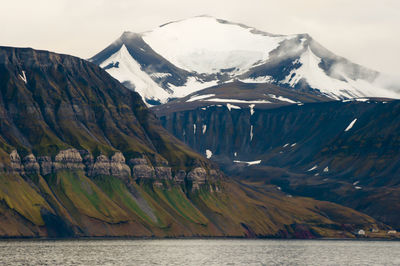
90 238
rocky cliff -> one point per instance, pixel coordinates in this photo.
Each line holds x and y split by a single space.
341 151
71 160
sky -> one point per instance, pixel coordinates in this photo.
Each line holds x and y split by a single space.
364 31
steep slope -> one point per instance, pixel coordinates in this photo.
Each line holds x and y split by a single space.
342 151
52 102
240 96
185 56
81 155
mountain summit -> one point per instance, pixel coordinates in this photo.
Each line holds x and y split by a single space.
182 57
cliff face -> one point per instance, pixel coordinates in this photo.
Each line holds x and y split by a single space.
81 155
299 137
71 160
51 102
346 152
63 113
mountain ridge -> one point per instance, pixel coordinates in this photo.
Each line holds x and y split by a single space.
177 57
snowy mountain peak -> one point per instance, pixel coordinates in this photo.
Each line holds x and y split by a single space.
207 45
182 57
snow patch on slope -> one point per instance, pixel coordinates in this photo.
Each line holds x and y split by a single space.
248 163
209 154
312 168
231 106
200 97
160 75
192 85
281 98
23 77
126 69
236 101
266 79
351 125
251 106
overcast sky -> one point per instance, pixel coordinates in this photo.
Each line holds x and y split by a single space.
364 31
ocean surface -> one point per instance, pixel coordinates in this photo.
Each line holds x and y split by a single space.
198 252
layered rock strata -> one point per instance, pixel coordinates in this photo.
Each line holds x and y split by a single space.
141 169
69 159
137 168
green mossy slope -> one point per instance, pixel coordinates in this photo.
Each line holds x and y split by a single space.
107 206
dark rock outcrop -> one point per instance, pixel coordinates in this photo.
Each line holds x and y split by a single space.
214 175
31 166
180 176
88 160
163 172
137 161
46 165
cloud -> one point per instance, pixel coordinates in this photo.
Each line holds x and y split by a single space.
389 82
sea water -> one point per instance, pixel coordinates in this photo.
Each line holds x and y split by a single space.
199 252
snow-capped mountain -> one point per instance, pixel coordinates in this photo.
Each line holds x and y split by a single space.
182 57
